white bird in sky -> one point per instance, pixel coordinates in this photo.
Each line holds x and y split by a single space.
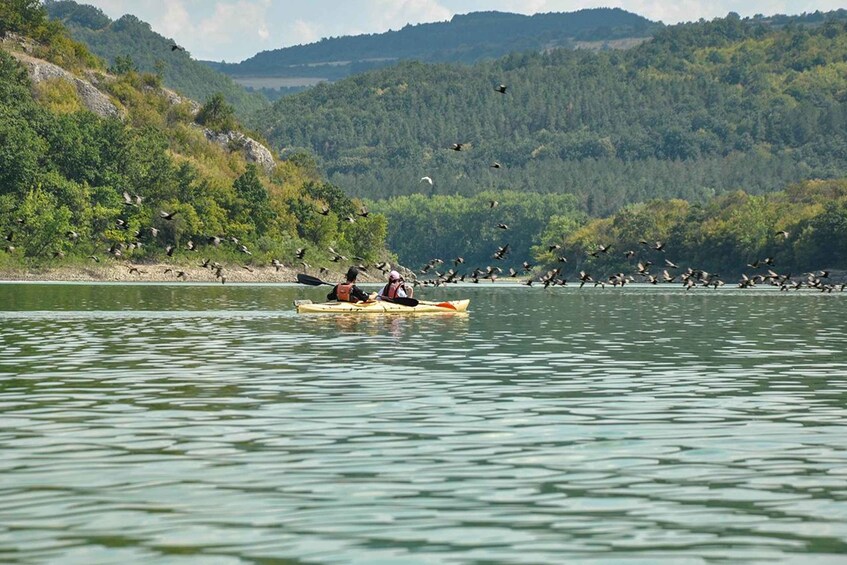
427 179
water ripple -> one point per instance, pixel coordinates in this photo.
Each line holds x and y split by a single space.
217 426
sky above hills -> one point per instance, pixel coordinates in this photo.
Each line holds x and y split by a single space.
233 30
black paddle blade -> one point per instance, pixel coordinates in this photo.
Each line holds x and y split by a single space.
310 280
411 302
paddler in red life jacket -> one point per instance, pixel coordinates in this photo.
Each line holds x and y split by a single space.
348 291
395 288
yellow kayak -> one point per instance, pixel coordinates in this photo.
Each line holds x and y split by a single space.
379 307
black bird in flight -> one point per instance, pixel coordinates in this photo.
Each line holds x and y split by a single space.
501 252
501 88
457 146
176 47
167 215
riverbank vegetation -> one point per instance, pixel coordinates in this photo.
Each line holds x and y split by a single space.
148 185
800 229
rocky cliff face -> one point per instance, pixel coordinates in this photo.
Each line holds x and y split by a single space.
253 151
97 102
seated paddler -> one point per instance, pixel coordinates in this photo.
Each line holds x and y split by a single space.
348 291
396 287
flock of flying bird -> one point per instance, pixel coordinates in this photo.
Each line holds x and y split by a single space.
670 271
431 276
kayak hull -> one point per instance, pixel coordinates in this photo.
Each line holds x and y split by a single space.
379 307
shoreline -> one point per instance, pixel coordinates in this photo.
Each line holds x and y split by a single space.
156 272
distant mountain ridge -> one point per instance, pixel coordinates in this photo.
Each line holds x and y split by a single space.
131 37
464 39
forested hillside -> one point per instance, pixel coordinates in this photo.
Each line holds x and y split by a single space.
129 43
144 183
464 39
700 110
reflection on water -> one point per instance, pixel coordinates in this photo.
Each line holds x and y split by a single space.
213 424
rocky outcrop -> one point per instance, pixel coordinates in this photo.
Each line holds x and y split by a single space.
253 151
175 99
97 102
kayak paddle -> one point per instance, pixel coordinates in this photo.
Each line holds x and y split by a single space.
310 280
314 281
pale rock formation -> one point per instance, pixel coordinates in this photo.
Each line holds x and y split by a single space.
97 102
253 151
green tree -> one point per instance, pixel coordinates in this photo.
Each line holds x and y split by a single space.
21 152
254 202
23 16
45 224
123 65
216 114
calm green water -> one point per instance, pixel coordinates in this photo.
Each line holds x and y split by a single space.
211 424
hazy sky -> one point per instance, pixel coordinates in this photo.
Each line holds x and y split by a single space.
234 30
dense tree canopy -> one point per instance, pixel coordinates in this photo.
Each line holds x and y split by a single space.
703 109
447 227
800 229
